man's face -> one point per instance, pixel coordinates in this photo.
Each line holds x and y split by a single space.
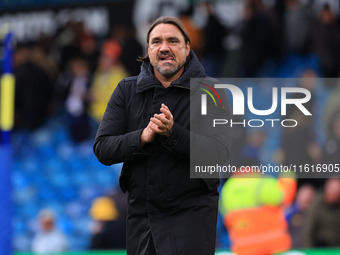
332 191
167 49
46 223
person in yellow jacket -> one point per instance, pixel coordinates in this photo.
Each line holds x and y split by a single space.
253 212
108 74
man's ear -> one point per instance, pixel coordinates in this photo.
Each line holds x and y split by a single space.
187 48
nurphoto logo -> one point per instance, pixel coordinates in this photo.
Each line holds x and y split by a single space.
239 104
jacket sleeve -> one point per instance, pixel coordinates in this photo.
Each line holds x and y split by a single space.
113 143
204 143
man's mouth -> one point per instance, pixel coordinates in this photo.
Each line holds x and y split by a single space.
166 58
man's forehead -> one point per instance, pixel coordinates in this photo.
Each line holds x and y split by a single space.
167 30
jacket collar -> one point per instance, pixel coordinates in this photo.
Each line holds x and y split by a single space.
192 69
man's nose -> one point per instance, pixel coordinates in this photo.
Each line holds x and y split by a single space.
164 46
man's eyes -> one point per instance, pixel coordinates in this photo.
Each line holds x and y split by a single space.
158 41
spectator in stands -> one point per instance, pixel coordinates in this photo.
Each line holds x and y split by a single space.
296 25
68 43
131 48
259 38
73 89
331 110
297 214
323 40
323 223
332 147
40 57
299 143
49 239
295 141
78 99
252 150
239 144
195 33
109 229
109 73
89 51
213 51
33 90
252 207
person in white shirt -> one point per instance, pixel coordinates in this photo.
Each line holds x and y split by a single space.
48 239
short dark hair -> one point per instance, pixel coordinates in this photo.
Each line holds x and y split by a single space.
165 20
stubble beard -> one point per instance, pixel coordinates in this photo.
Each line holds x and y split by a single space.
168 73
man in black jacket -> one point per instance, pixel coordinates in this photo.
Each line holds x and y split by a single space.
152 124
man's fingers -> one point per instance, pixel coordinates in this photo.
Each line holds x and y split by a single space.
151 124
166 112
162 118
163 122
156 129
164 106
157 122
164 109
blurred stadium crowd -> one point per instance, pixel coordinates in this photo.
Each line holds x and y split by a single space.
64 81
